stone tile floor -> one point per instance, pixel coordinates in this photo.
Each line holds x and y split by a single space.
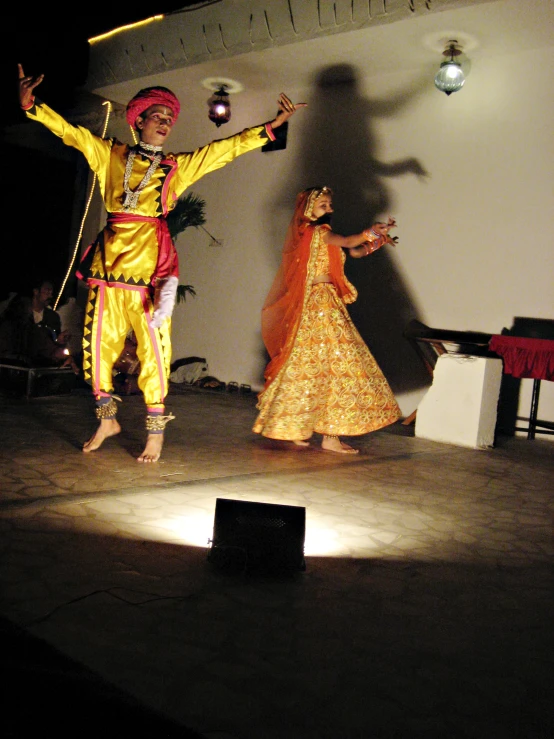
425 610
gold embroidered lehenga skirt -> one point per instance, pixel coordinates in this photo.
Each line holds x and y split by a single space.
330 383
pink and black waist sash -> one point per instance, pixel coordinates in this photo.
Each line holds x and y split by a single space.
168 262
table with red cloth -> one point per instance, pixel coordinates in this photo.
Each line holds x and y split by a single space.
525 357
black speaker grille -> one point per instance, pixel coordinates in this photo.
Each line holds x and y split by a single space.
258 536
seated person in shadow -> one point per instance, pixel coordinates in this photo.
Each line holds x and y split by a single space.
29 343
53 343
43 314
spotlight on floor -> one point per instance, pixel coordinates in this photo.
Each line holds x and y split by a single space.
258 537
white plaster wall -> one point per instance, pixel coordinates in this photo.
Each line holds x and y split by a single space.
476 235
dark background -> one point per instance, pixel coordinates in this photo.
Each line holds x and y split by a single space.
53 39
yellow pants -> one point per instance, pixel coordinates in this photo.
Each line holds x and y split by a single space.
110 314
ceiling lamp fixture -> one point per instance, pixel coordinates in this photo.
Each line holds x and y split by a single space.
450 77
219 106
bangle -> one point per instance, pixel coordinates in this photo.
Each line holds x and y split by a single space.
370 234
28 107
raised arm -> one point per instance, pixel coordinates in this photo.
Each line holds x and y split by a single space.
374 238
366 242
194 165
26 86
286 109
95 149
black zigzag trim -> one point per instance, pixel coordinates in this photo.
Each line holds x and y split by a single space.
122 281
166 169
87 334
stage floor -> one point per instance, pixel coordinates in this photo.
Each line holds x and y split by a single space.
425 609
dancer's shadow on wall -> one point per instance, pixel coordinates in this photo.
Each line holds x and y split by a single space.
340 151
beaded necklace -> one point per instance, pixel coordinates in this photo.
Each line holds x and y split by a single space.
132 196
148 147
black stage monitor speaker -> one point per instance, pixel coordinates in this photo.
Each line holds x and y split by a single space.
258 537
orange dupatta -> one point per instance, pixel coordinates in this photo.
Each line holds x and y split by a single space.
282 309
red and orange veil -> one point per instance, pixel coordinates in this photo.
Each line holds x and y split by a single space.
283 306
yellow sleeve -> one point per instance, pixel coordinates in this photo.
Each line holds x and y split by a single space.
191 166
95 149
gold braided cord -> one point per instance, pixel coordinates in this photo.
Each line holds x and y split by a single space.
83 219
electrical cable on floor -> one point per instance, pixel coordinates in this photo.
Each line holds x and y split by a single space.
108 591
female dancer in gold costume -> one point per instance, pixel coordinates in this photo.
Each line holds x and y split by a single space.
131 269
321 376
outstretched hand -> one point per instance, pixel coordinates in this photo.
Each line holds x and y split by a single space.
377 236
286 109
383 230
26 87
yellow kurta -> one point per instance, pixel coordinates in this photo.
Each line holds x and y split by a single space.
128 252
330 383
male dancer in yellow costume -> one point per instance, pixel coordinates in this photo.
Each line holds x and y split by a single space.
131 269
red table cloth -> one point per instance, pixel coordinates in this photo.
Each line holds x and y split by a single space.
524 357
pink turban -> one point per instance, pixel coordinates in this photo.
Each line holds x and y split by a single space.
149 96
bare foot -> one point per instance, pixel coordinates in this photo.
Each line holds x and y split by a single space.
153 448
108 427
334 444
301 442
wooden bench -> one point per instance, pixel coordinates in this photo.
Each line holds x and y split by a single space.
33 382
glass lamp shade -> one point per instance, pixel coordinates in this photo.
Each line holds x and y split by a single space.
220 108
450 77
